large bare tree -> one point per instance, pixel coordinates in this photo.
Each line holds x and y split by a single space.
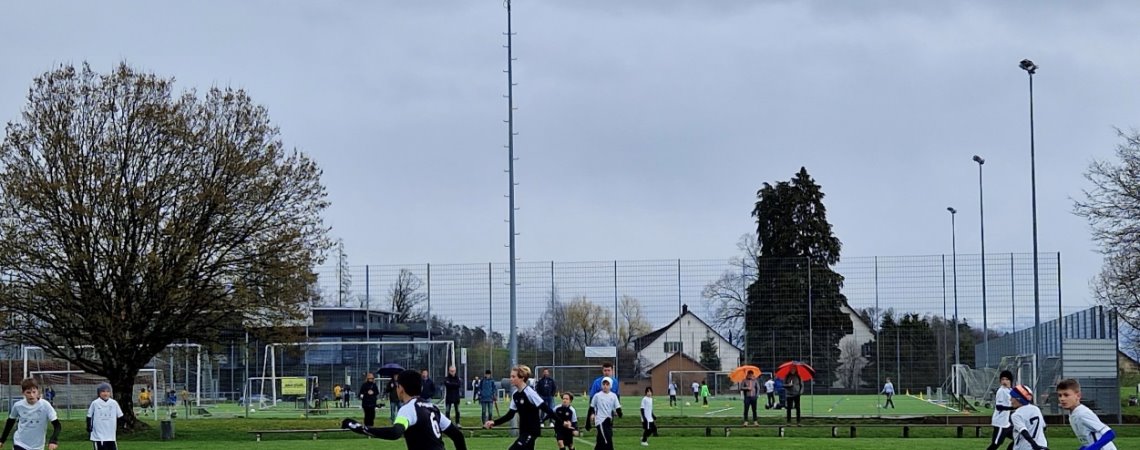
1112 207
586 323
406 298
632 322
726 298
133 216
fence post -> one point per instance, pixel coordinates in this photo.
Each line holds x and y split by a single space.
877 326
367 306
490 320
617 318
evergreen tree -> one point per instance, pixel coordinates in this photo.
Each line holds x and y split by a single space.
710 356
797 251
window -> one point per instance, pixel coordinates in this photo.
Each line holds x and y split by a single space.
674 347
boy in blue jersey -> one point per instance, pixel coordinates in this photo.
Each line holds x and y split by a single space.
607 372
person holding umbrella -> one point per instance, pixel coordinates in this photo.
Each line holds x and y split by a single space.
794 373
750 387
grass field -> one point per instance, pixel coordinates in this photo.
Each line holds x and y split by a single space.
682 427
232 434
815 406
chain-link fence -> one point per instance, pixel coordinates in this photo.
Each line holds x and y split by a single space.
859 322
918 322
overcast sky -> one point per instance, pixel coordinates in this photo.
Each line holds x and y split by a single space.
646 127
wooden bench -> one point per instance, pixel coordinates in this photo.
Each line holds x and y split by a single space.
257 433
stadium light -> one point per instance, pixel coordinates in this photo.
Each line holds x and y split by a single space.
982 220
1030 68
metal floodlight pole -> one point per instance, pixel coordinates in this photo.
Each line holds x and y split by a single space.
511 186
954 272
1030 68
982 220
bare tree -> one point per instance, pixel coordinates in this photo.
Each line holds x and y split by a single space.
1112 208
406 297
727 297
343 275
632 322
132 217
587 323
551 327
851 363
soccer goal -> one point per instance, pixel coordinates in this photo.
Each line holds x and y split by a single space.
718 382
75 389
971 388
330 362
177 371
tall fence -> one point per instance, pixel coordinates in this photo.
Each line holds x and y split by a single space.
928 311
920 322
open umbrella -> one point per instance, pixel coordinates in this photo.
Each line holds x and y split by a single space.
389 370
738 374
804 371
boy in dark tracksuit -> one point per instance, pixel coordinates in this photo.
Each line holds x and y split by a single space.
565 423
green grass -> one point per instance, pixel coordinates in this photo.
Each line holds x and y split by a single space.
621 442
719 407
233 434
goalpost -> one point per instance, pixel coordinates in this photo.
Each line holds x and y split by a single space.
341 361
174 361
971 387
78 387
718 381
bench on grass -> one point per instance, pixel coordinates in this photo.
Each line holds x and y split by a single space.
257 433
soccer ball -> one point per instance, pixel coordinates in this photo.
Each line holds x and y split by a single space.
686 403
252 410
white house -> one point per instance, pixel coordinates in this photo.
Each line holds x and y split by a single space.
684 334
851 360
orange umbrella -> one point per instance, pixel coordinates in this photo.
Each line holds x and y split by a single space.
805 372
738 374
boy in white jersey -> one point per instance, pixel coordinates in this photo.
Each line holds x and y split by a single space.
1027 422
1002 408
102 416
603 405
1093 434
33 416
648 420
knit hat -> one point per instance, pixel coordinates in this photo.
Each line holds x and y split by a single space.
103 387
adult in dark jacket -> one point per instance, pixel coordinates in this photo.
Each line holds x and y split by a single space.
368 394
428 389
452 386
546 388
794 387
393 398
487 391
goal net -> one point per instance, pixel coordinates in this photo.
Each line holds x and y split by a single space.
73 390
321 364
718 382
173 377
971 388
